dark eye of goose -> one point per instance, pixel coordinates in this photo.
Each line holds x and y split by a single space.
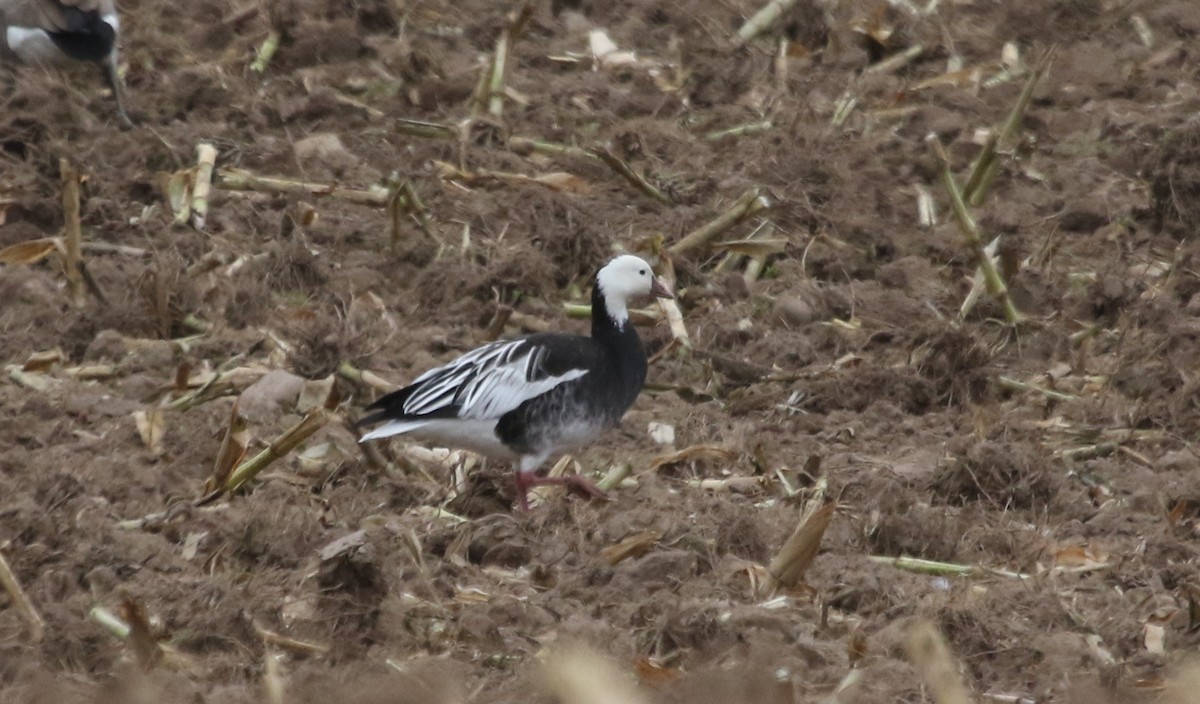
641 272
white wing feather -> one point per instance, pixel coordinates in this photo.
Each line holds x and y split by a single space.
487 382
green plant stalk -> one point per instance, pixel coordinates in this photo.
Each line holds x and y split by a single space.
524 145
347 370
73 233
425 130
191 322
751 203
895 62
206 159
230 179
1087 452
1081 336
615 475
397 206
1015 385
267 51
763 19
20 601
983 171
634 178
977 187
916 564
278 448
111 623
418 210
970 232
746 130
495 90
516 25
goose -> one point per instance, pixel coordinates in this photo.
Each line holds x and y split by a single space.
39 32
527 399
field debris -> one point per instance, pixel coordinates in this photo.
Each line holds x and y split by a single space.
33 620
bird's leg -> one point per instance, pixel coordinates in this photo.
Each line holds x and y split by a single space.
579 483
109 66
526 479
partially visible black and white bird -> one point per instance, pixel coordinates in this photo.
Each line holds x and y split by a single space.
527 399
40 32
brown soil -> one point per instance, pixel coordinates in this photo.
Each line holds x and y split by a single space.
850 349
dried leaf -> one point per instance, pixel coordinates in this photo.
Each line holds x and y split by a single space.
565 182
141 634
652 672
32 251
305 214
177 188
150 427
233 448
1097 650
605 52
316 458
929 653
182 373
1155 638
847 361
695 452
344 546
191 545
600 44
577 676
634 545
856 646
321 393
801 548
44 361
92 372
954 79
1080 558
5 204
471 595
1184 512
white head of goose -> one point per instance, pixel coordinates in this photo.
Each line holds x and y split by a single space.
527 399
55 31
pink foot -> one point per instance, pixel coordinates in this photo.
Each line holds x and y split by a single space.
581 485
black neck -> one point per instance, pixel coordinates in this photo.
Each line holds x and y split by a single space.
603 326
87 36
620 337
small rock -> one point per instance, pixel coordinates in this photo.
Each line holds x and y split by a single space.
271 395
107 346
146 355
794 310
663 566
1179 461
734 285
324 150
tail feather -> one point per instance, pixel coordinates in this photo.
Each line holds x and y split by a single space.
395 427
371 418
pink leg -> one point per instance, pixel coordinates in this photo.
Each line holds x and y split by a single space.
582 485
524 482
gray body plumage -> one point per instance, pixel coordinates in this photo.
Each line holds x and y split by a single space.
49 32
